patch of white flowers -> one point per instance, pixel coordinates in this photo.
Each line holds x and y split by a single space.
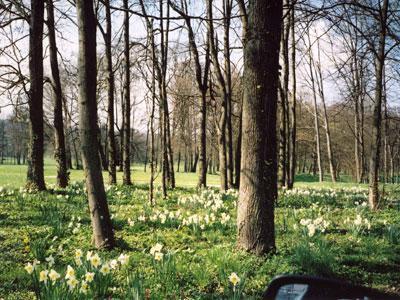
314 226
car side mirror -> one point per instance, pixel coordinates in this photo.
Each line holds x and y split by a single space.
294 287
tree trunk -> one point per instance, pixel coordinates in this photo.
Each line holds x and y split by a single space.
316 118
35 176
111 146
228 80
127 102
203 141
373 196
103 234
238 152
258 180
59 137
327 128
293 129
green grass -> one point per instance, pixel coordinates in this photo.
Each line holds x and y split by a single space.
197 261
15 176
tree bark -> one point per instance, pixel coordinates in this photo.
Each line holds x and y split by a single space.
374 160
293 129
127 102
111 146
316 117
59 137
258 180
103 235
35 175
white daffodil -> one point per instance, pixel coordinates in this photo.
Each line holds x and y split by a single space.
234 279
29 268
89 276
95 260
43 276
123 259
70 273
156 248
53 275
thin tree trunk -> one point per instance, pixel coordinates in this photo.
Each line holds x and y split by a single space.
373 196
228 79
320 83
293 129
127 102
111 146
316 118
59 137
103 235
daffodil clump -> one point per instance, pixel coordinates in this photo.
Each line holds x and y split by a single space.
314 226
209 209
359 224
86 277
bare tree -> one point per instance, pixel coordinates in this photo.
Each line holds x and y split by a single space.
59 136
103 235
35 178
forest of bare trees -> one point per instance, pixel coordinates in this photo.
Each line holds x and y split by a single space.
258 92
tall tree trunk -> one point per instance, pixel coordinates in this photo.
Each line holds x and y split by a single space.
59 137
227 9
373 196
293 129
127 101
258 180
103 235
202 74
316 117
284 100
153 157
111 146
320 82
35 175
222 122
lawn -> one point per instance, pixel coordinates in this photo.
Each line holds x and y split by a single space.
184 246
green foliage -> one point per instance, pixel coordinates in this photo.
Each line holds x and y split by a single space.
315 228
314 257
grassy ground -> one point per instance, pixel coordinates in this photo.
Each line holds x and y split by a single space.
15 176
319 230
